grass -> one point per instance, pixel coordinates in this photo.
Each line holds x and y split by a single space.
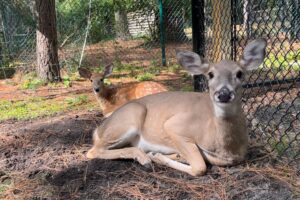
281 146
32 83
284 62
37 107
145 77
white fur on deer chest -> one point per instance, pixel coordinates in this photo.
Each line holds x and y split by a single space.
156 148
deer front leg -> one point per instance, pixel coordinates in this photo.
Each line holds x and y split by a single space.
184 144
196 164
124 153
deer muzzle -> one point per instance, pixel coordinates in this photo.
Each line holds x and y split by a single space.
224 95
97 90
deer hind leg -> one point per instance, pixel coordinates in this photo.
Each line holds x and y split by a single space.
114 139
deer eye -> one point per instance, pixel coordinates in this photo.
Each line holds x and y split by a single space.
239 74
210 75
91 80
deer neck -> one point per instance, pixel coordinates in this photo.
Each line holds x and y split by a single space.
227 138
106 96
231 135
228 129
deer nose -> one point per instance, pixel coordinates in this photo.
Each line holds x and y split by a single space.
224 95
97 90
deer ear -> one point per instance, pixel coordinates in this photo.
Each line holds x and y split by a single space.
192 62
254 54
85 73
108 70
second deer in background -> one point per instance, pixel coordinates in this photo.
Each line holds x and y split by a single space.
112 97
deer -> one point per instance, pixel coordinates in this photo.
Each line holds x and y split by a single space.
203 128
111 97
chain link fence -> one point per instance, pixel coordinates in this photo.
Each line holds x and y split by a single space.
145 33
271 95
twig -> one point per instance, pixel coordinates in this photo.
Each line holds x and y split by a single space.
86 33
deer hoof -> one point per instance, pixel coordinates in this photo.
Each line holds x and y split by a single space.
90 154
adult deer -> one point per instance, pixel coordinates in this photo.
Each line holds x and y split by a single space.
112 97
199 127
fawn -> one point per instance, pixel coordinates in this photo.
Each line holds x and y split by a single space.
200 127
112 97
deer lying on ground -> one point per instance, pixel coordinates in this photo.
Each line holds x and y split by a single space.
112 97
200 127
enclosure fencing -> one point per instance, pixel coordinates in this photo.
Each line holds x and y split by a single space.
145 33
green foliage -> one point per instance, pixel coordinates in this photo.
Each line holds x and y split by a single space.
282 145
145 77
284 62
75 13
155 70
31 82
76 101
102 17
129 69
187 88
175 68
66 81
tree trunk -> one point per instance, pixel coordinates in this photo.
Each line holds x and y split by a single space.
221 13
121 24
1 36
46 42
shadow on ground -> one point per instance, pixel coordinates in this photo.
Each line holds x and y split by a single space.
44 159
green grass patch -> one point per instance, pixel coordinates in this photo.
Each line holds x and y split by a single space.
145 77
38 107
66 81
33 83
187 88
281 145
284 62
174 68
155 70
76 101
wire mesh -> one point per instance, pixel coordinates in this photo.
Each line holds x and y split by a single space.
271 96
273 107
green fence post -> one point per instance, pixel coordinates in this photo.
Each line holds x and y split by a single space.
162 33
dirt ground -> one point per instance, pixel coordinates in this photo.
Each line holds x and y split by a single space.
44 159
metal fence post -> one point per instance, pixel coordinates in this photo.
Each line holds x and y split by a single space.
162 33
198 20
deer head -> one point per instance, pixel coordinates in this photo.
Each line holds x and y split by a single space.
97 79
225 78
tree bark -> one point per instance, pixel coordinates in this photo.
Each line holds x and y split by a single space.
48 68
221 13
121 24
